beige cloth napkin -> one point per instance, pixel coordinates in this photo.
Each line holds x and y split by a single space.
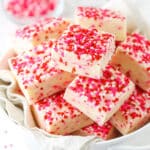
13 102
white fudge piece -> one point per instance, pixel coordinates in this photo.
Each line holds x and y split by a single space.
32 35
83 51
99 99
56 116
103 20
36 76
134 113
133 58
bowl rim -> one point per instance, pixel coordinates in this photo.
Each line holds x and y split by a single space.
123 137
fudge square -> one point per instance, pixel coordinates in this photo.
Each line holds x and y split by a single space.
105 132
133 58
103 20
134 113
36 76
32 35
56 116
100 98
83 51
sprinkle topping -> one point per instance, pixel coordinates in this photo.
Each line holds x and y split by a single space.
138 47
55 108
103 93
34 65
30 8
101 131
98 13
84 41
47 25
137 106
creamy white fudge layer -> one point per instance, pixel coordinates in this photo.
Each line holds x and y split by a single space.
134 113
133 58
32 35
100 99
56 116
36 76
103 20
83 51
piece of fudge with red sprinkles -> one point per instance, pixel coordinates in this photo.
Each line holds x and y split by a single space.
83 51
105 132
36 76
100 98
32 35
56 116
133 58
103 20
134 113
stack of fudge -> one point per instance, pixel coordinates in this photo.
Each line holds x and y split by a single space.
87 77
